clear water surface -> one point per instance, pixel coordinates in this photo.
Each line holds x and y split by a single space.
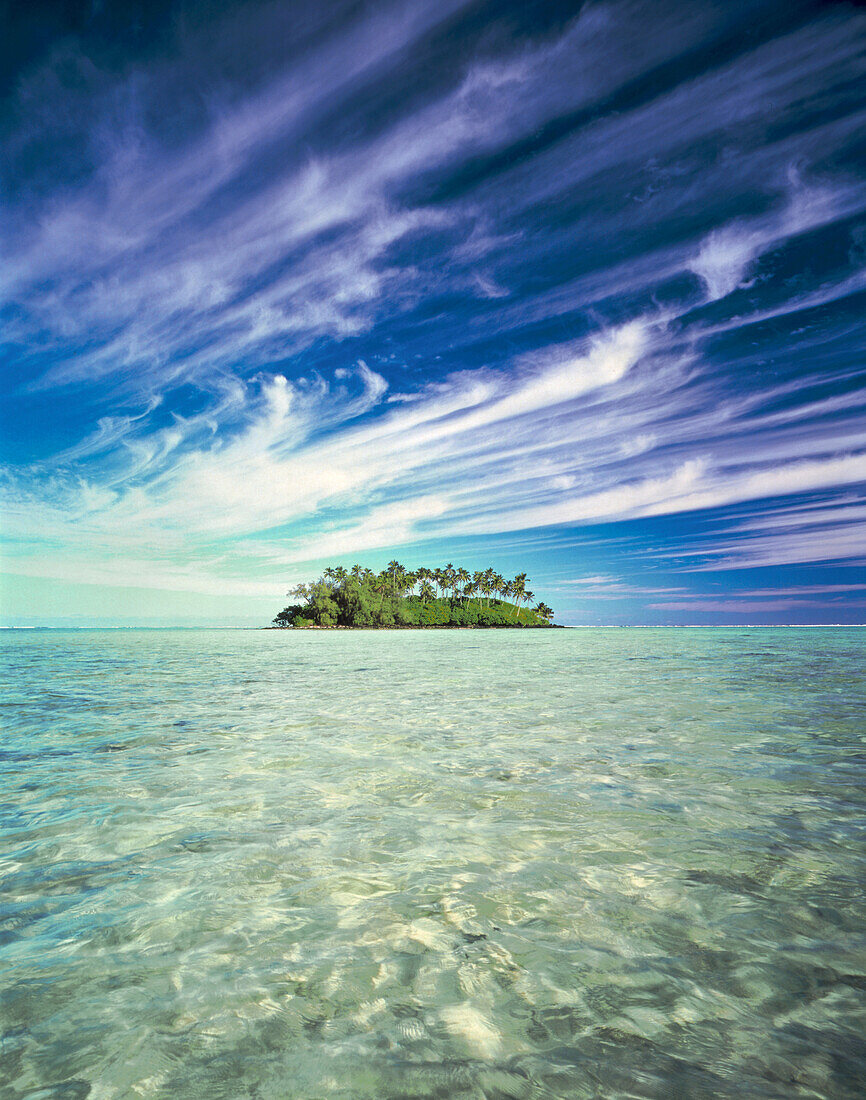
587 863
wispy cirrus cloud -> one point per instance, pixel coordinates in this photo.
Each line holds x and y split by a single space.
568 280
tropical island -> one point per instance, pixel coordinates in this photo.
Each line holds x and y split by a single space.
399 597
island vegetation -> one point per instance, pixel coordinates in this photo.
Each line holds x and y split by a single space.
400 597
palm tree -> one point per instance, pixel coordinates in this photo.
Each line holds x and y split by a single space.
545 612
427 592
393 568
463 579
518 590
380 586
477 582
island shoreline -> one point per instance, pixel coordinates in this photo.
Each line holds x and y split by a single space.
432 626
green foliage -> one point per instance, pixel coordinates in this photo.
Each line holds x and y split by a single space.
397 596
288 616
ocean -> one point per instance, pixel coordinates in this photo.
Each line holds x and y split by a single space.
412 864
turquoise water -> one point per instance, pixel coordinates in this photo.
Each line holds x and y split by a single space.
588 863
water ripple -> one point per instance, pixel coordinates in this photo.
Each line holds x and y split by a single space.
586 863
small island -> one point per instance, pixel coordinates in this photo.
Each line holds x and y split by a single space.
420 598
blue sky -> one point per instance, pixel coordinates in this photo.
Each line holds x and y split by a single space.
576 290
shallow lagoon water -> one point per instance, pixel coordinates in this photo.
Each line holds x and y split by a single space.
617 863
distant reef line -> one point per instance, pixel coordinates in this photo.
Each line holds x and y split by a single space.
397 597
